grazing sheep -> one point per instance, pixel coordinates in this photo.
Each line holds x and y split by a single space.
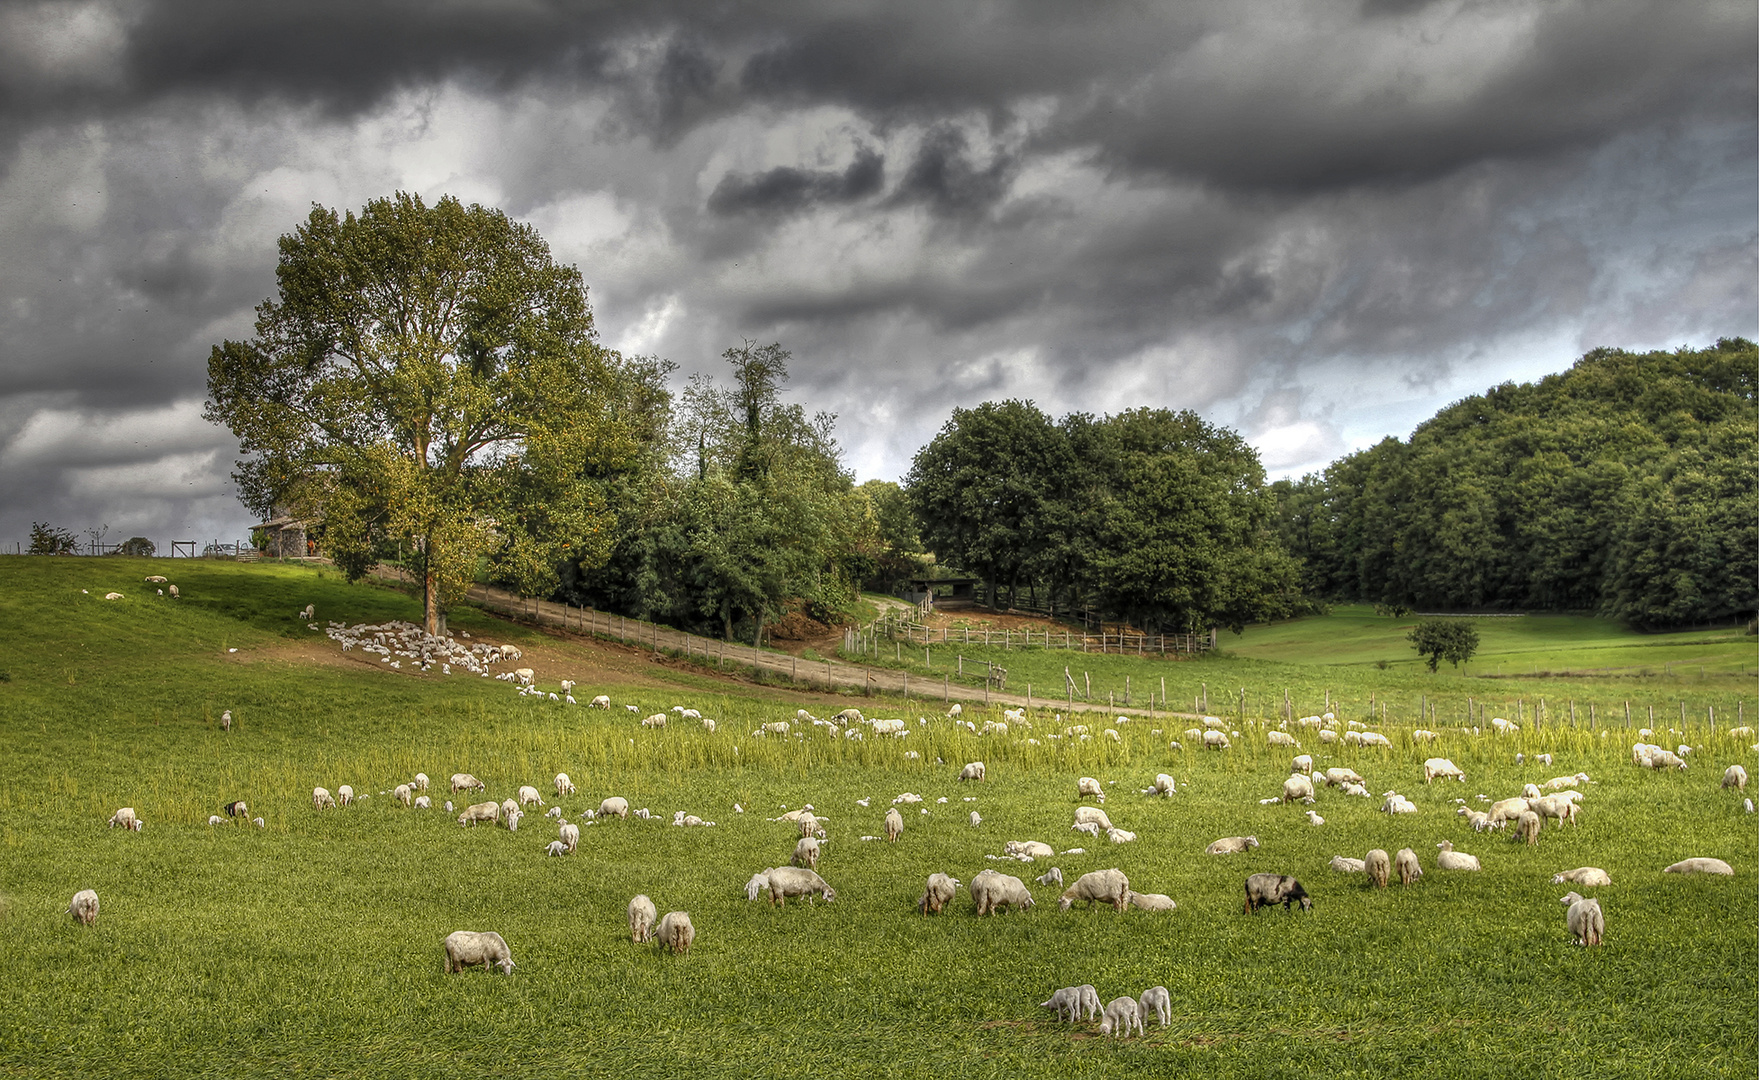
603 701
1032 849
259 823
806 853
1701 866
1378 867
84 907
1504 811
1338 777
676 933
1442 767
1735 777
321 800
1216 740
1269 890
422 802
401 795
528 796
126 818
615 806
1108 885
1053 876
1449 859
1555 806
477 947
756 887
1121 1014
1345 865
216 819
658 720
1297 788
345 796
972 771
569 833
508 806
1303 763
1150 901
1586 921
1086 786
809 825
420 783
1092 815
1583 875
1530 792
1280 738
1528 827
938 894
1157 999
1230 845
1409 869
991 889
482 811
463 781
976 819
172 590
641 918
564 786
1071 1002
894 825
556 847
786 881
1163 784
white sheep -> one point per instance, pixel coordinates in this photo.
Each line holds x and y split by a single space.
991 889
1407 866
972 771
345 796
937 894
676 933
84 907
1735 777
756 887
1110 886
1504 811
1588 876
1313 818
1231 845
1440 766
1157 999
420 783
1378 867
1701 865
976 819
806 853
1280 738
1150 901
658 720
463 781
615 806
1303 763
321 800
1120 836
1527 828
894 825
569 834
422 802
1449 859
1556 806
1297 788
477 947
564 786
1163 784
1398 804
1338 777
1092 815
1213 740
1053 876
1559 783
603 701
556 847
1031 849
483 811
529 796
641 918
1121 1014
401 795
126 818
1074 1002
786 881
1343 864
1586 921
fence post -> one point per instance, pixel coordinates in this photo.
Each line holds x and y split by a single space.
1126 690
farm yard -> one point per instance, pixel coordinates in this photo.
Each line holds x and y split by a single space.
312 945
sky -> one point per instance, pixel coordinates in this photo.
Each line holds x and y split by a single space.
1314 221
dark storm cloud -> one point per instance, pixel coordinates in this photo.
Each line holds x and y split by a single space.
948 182
787 190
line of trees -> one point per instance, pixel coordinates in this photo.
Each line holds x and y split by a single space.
1628 485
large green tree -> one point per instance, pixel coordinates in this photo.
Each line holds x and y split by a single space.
428 376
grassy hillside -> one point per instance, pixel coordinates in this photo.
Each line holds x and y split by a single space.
312 946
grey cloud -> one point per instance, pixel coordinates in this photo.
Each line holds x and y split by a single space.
788 190
944 179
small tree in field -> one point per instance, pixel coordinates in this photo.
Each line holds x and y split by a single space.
46 539
1453 640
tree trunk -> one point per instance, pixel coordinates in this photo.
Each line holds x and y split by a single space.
726 621
433 619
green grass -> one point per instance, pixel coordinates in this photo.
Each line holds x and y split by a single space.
313 946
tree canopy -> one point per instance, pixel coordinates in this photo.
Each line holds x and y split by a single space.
428 376
1453 640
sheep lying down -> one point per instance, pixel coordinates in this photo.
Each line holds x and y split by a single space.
1701 866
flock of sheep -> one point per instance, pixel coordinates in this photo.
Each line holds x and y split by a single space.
991 890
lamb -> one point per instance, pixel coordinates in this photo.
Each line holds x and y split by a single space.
1053 876
1478 819
1121 1013
1032 849
345 795
1269 890
1108 885
1440 766
894 825
321 800
1449 859
216 819
1297 788
84 907
1530 792
556 847
1086 786
528 796
1161 1002
126 818
463 781
991 889
1378 867
564 786
938 894
422 802
972 771
641 918
1120 836
1087 827
806 853
1527 828
1072 1002
1229 845
1092 815
1338 777
1344 865
756 887
1583 875
1150 901
483 811
473 947
615 806
1303 763
1398 804
1701 866
1735 777
569 835
1586 921
786 881
1409 869
676 933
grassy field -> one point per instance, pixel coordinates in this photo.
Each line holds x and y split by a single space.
312 946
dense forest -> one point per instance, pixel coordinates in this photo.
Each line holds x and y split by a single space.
1628 485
